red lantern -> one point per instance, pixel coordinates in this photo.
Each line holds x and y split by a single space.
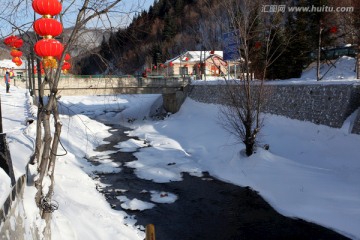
48 27
186 59
48 47
67 57
9 40
333 29
171 64
47 7
16 59
14 41
212 52
19 62
15 53
66 66
18 43
154 67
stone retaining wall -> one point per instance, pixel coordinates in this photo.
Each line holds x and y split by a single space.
12 215
321 104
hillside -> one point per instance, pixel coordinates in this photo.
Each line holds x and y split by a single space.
171 27
167 29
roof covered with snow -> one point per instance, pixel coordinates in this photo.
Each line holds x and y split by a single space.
194 56
7 63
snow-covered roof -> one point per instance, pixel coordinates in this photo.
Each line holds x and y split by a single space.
7 63
194 56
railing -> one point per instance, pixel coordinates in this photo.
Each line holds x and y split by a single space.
86 85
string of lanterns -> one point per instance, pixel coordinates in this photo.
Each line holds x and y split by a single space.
15 43
48 48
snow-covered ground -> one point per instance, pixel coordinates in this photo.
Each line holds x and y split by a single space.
310 171
341 71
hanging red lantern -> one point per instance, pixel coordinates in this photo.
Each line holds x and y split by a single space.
19 62
67 57
333 29
15 59
9 40
212 52
66 67
16 53
14 42
48 49
48 27
154 67
171 64
47 7
18 43
257 45
186 59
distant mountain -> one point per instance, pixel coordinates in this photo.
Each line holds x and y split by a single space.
87 40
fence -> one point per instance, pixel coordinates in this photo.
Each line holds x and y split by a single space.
93 85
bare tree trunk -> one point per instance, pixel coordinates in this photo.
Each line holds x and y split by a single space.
358 63
38 140
51 168
44 158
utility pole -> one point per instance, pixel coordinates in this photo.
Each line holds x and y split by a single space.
1 126
318 77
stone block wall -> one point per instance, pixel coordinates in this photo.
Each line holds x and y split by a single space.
13 223
321 104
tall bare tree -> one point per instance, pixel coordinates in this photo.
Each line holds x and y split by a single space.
260 43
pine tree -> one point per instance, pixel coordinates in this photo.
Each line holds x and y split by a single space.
170 27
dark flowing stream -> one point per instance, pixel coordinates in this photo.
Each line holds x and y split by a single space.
206 208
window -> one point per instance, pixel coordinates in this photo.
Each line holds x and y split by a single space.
19 75
184 71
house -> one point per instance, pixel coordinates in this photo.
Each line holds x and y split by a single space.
195 63
20 71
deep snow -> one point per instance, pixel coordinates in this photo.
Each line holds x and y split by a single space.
310 171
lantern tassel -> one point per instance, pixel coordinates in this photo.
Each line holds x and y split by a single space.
50 62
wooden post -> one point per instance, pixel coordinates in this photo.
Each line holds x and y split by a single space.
150 232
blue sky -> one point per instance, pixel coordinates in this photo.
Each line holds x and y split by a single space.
23 17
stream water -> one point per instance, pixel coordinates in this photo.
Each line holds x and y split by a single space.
206 208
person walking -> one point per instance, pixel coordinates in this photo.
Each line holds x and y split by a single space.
7 81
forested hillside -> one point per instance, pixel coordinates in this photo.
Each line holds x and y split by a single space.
171 27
